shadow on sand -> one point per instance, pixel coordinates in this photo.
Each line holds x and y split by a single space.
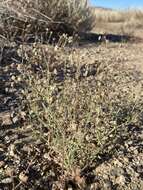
82 38
97 38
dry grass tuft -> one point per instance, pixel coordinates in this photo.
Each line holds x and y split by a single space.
33 17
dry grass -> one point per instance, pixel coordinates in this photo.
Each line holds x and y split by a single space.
34 17
117 15
118 21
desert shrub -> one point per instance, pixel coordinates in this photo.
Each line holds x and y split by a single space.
80 118
33 17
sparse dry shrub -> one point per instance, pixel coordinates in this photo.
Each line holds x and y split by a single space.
33 17
82 117
117 16
121 22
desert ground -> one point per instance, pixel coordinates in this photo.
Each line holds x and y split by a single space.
90 94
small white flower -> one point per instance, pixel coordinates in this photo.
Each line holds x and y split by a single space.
56 48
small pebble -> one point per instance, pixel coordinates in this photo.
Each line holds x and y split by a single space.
107 185
15 119
120 180
2 163
7 180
